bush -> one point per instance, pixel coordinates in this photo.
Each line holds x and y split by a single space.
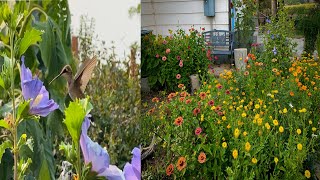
257 124
169 61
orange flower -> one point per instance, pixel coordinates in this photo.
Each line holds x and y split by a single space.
180 86
196 111
151 111
181 164
291 93
202 157
155 99
169 170
178 121
202 95
171 95
211 103
181 99
188 101
183 94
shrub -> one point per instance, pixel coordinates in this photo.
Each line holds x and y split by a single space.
256 124
169 61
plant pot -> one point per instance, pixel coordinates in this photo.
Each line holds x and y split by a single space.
195 82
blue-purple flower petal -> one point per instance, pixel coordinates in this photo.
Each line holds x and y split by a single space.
133 171
274 50
33 89
92 151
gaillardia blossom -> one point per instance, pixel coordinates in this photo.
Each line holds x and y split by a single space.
100 160
34 90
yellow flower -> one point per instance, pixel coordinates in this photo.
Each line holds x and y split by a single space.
202 117
275 122
243 114
310 122
285 110
281 129
254 160
224 145
303 110
276 160
267 125
247 146
259 121
299 146
213 108
314 129
236 133
307 174
235 153
228 126
245 133
24 136
257 106
298 131
224 118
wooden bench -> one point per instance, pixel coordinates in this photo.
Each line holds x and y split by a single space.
221 42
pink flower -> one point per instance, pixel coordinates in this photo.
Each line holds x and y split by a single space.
198 131
181 63
164 58
216 57
178 76
168 51
157 55
179 58
164 42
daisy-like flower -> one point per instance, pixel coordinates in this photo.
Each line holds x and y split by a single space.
181 164
34 90
198 131
169 170
202 158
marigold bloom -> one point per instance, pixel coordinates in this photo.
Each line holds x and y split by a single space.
254 160
181 164
275 122
247 146
202 157
178 121
224 145
281 129
198 131
298 131
169 169
307 174
236 133
235 154
245 133
299 146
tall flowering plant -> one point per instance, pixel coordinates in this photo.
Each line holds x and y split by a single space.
169 61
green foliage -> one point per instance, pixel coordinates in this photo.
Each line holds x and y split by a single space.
250 125
307 22
318 43
245 25
277 44
30 37
3 146
169 61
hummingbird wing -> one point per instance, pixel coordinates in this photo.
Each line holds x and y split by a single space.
84 73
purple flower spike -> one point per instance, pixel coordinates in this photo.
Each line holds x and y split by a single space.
133 171
33 89
274 51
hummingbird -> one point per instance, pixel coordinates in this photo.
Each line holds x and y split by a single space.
78 84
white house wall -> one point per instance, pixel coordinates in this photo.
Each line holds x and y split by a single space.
161 15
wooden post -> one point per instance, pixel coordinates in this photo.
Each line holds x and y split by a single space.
240 55
195 82
274 7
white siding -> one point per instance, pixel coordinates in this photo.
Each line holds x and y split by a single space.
161 15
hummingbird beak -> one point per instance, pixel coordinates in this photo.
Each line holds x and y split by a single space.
55 78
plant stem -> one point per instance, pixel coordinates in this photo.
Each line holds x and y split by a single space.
14 129
79 161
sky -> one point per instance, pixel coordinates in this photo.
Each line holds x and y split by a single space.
112 21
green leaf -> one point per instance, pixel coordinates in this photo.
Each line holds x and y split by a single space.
2 83
75 114
3 147
44 171
23 109
30 37
4 124
87 105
